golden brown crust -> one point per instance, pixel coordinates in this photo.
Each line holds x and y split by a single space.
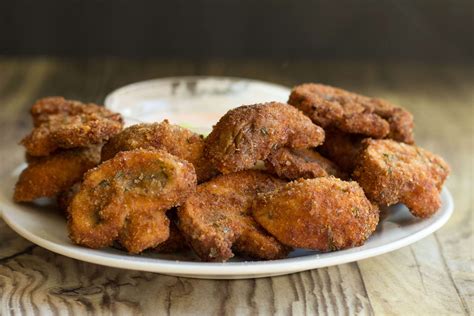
216 219
45 107
126 198
144 227
61 123
249 133
176 241
144 195
293 164
50 175
391 172
65 197
174 139
323 214
332 107
342 148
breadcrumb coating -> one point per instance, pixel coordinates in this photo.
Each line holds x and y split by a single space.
323 214
126 199
293 164
392 172
216 219
174 139
353 113
249 133
66 124
50 175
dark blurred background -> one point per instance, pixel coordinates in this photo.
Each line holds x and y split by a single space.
425 30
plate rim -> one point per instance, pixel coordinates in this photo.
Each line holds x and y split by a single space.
245 269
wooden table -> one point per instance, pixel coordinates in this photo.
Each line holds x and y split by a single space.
433 276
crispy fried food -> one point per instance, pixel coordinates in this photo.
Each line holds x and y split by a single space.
391 172
144 228
48 176
216 220
61 123
126 198
342 148
292 164
176 241
249 133
65 197
174 139
323 214
353 113
43 108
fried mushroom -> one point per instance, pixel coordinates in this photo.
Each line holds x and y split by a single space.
126 199
342 148
66 124
216 219
392 172
293 164
353 113
50 175
323 214
174 139
249 133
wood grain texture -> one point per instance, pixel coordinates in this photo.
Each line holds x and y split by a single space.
431 277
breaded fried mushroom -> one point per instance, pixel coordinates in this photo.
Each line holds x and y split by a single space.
50 175
174 139
216 220
45 107
145 227
332 107
175 242
391 172
65 197
249 133
342 148
126 199
66 124
292 164
323 214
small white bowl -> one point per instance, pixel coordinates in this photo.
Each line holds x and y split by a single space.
194 102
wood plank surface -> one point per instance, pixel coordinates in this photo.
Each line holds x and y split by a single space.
431 277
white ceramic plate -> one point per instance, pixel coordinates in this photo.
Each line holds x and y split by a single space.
43 225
